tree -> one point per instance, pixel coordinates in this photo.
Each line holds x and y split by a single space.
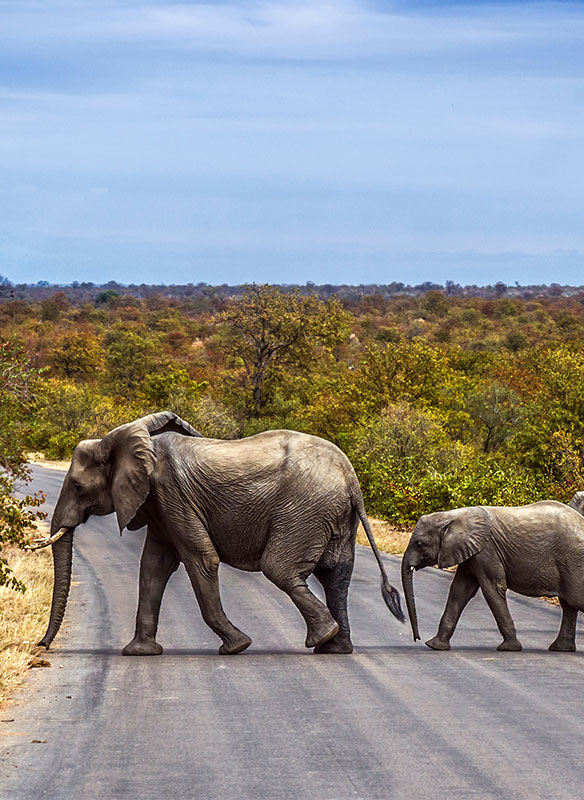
496 410
130 356
16 513
434 303
268 330
76 355
6 289
54 306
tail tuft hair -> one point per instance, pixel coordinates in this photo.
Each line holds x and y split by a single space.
392 599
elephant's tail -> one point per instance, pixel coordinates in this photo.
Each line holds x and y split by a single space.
389 593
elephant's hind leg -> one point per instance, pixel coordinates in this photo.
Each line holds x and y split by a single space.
157 565
289 574
565 641
336 582
202 568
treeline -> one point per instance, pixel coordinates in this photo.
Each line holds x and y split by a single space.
77 292
440 400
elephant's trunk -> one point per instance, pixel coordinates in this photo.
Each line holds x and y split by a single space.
407 572
62 562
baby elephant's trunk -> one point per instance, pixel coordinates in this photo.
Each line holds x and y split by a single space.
407 572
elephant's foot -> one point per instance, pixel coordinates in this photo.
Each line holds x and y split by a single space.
142 647
438 644
319 634
562 646
510 646
341 643
235 644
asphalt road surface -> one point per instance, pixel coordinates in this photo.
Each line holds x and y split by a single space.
393 720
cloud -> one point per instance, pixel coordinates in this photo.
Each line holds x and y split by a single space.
293 30
290 132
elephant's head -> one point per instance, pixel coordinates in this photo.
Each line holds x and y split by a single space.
106 475
445 538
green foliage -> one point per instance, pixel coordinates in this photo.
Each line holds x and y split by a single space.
267 331
67 412
434 303
17 518
106 297
497 415
130 357
16 513
439 399
76 354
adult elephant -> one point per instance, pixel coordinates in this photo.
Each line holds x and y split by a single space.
535 550
281 502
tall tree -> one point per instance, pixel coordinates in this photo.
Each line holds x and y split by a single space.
269 330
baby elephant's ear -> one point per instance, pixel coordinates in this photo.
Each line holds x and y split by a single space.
464 536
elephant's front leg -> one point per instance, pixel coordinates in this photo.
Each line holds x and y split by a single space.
157 565
462 589
202 569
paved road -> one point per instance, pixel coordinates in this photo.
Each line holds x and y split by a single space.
394 720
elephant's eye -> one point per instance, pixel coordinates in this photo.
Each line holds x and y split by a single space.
76 486
419 544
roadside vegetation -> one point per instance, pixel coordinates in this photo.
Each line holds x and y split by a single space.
439 400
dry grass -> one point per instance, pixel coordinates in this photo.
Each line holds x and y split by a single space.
388 539
23 617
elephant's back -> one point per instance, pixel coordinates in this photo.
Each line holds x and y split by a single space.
269 456
547 548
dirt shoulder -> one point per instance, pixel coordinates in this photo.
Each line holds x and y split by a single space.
38 458
23 616
388 538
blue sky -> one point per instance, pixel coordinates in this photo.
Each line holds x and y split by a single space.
287 141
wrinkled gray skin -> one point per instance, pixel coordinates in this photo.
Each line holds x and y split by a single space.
280 502
536 550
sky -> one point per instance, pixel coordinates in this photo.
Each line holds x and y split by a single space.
283 141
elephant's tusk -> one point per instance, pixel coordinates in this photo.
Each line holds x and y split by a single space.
37 544
412 569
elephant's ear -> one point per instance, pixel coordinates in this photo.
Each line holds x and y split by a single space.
577 502
464 535
167 422
129 453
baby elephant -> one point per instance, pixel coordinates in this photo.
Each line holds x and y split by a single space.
535 550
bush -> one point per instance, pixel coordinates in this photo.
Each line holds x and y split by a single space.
16 514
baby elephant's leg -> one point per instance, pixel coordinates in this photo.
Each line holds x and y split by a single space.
463 588
495 594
